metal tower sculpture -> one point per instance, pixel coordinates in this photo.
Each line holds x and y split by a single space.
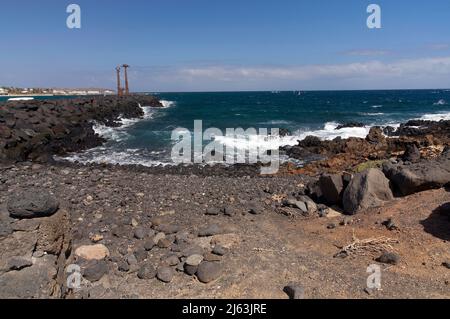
119 87
127 90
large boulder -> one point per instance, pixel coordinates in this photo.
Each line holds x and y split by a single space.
32 203
331 187
426 175
366 190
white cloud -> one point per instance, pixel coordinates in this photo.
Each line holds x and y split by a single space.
413 73
408 73
424 66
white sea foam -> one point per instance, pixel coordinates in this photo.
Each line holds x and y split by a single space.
436 117
119 134
440 102
376 106
110 133
102 155
329 132
167 104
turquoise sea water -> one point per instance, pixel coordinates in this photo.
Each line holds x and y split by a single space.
148 141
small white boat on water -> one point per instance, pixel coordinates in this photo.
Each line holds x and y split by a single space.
21 99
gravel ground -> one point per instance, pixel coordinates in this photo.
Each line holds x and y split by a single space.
252 251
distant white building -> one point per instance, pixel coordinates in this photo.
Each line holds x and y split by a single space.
3 91
59 92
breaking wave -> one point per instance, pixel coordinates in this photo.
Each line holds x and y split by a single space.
436 117
440 102
119 134
167 104
329 132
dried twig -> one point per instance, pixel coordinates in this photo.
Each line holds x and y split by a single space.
367 246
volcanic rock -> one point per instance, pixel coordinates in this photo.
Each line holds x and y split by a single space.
367 189
331 187
32 203
209 271
165 274
92 252
294 291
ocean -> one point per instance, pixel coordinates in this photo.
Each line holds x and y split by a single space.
148 141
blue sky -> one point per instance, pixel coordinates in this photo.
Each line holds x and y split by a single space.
211 45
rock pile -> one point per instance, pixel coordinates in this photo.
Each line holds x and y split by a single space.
36 130
373 187
34 242
341 154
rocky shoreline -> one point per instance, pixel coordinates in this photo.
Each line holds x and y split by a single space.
214 231
36 130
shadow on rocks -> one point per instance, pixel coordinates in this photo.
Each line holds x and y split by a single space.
438 223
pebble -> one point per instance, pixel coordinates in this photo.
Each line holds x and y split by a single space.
208 271
149 244
446 264
123 266
212 257
139 233
156 221
165 274
96 238
192 250
168 229
190 270
180 267
212 211
331 213
389 258
255 210
171 260
164 243
158 237
141 254
219 250
92 252
132 260
146 272
210 230
94 271
122 231
294 291
229 211
390 224
194 260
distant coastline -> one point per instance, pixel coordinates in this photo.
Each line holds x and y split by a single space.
30 92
